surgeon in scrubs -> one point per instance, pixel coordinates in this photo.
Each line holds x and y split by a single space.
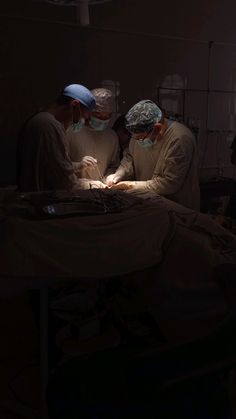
95 149
43 161
162 157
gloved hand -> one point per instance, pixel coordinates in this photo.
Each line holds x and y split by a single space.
96 184
123 186
112 179
87 161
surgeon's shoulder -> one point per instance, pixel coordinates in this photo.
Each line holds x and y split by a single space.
42 117
181 132
45 121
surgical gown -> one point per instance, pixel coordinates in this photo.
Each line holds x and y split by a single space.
43 160
169 167
101 145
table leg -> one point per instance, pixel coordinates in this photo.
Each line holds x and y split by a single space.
43 351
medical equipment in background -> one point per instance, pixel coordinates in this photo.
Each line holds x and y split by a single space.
82 7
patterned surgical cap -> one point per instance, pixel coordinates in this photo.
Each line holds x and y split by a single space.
104 99
143 116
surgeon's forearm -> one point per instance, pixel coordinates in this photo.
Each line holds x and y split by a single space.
125 169
167 185
111 169
125 172
81 184
159 185
141 184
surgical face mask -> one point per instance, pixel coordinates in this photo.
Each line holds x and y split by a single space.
76 126
145 143
98 124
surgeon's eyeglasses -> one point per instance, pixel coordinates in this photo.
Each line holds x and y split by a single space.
140 136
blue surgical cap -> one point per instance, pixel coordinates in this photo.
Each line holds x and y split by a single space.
81 93
143 116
